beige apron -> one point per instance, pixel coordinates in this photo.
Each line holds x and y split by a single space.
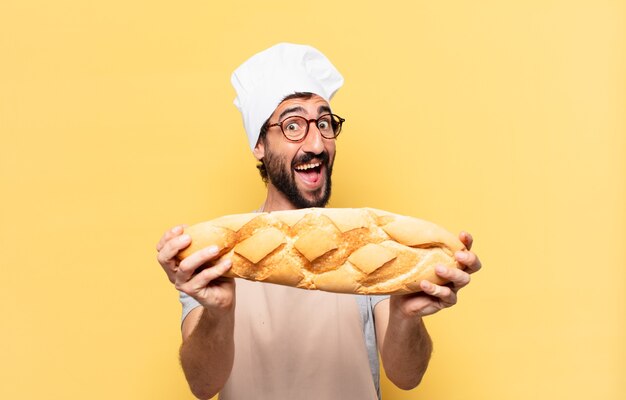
297 344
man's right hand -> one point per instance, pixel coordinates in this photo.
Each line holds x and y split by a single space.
213 291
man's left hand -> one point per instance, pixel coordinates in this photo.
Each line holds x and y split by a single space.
434 297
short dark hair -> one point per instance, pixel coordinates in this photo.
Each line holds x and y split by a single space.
261 166
263 133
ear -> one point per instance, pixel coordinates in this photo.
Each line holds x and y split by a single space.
259 149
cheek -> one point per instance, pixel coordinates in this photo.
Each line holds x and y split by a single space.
330 148
285 152
290 152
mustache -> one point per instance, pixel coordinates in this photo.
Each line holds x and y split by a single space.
305 158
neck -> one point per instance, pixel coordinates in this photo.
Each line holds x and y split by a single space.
276 201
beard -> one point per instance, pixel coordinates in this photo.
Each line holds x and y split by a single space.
283 178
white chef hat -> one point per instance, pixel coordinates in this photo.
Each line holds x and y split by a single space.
266 78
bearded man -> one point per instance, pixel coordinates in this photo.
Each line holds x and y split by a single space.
253 340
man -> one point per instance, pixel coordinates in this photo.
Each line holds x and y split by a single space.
254 340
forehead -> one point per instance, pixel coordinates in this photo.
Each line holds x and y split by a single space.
302 105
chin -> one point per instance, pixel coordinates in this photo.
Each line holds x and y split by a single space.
319 198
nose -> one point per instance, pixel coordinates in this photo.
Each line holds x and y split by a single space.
313 142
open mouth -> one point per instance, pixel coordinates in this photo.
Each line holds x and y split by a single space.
310 172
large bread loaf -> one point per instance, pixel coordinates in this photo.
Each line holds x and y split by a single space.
346 250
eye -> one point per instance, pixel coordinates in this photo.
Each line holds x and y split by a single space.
294 124
323 125
292 127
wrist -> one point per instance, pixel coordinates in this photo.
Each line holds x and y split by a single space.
218 312
401 309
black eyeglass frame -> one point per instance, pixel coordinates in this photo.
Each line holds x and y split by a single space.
308 124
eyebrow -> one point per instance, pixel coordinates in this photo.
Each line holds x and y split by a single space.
289 111
320 110
323 109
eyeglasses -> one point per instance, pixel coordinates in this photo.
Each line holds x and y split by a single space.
296 128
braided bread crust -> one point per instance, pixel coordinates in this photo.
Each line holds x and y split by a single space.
345 250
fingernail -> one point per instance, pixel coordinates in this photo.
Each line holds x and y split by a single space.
425 285
213 249
460 255
184 238
441 269
177 230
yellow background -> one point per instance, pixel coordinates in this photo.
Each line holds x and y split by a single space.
503 118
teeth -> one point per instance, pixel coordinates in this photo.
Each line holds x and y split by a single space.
304 167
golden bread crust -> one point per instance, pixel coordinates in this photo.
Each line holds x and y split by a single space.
345 250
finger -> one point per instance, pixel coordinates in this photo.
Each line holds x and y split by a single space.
188 266
171 248
175 231
446 295
204 278
457 278
467 239
208 275
469 260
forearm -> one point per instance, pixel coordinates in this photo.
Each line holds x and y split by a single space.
406 350
207 354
